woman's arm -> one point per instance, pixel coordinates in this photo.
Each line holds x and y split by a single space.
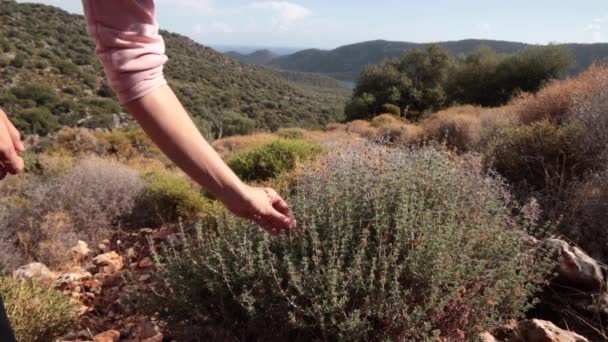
133 54
166 121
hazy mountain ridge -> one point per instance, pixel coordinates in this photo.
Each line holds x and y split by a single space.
259 57
347 61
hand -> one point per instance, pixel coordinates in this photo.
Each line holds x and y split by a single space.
10 148
265 207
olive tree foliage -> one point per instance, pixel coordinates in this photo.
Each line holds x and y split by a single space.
488 79
426 80
414 82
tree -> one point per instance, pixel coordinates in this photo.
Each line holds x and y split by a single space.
378 85
473 78
428 71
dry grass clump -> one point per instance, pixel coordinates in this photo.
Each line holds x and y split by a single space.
554 102
37 314
361 128
458 127
335 126
237 143
384 120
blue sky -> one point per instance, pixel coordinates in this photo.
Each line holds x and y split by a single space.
331 23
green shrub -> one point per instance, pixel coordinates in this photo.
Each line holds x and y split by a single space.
291 133
171 197
39 93
36 121
392 245
270 160
19 60
540 157
36 313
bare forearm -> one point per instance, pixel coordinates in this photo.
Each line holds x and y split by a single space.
168 124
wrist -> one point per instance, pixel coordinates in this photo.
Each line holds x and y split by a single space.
235 194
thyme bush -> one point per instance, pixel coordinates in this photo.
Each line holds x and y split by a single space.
392 244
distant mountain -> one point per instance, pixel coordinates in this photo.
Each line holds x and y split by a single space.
346 62
245 50
50 77
259 57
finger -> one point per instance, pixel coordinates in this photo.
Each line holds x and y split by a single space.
11 161
2 172
263 222
278 221
15 135
278 203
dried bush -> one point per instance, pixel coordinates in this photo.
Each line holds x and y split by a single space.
226 146
392 244
391 109
36 313
334 126
291 133
590 115
586 215
458 127
361 128
384 120
84 203
554 102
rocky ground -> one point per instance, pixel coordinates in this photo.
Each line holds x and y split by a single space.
106 279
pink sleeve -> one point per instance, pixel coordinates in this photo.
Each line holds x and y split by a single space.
128 45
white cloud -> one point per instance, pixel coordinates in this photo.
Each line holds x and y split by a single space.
484 28
286 14
213 27
595 28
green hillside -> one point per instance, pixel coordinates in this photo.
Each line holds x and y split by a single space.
49 77
259 57
346 62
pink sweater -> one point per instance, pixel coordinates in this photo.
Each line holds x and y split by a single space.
128 45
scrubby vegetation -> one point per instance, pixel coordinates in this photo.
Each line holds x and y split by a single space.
51 78
415 218
37 314
394 244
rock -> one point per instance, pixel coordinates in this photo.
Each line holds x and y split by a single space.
156 338
144 278
131 253
577 269
145 263
103 248
146 231
35 272
75 275
108 263
542 331
487 337
80 252
107 336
